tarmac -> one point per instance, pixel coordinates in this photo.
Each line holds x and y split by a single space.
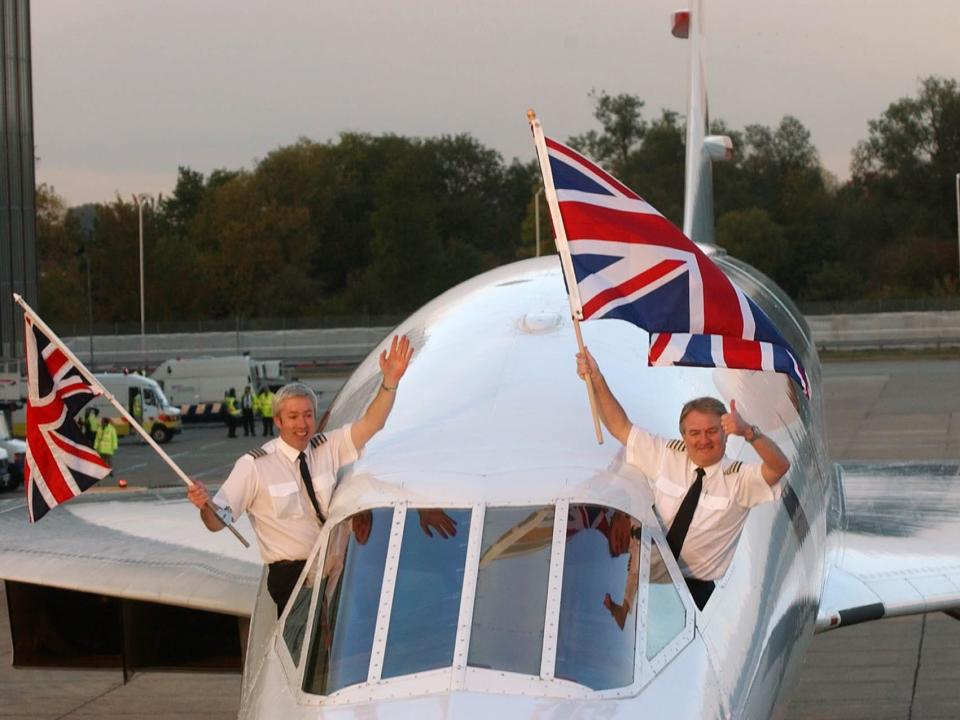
898 669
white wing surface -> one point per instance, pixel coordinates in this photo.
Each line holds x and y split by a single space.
139 544
894 538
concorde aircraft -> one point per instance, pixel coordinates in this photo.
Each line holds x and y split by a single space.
509 616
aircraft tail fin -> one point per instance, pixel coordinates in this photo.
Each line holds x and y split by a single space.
701 149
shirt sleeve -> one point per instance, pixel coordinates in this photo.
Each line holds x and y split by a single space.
645 451
752 489
341 449
238 490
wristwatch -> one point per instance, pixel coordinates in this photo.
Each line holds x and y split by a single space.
755 434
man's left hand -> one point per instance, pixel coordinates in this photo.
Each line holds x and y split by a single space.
732 423
393 363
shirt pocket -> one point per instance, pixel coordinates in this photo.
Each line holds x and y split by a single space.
286 500
716 503
668 496
668 487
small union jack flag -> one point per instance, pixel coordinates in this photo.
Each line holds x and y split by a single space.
60 463
632 263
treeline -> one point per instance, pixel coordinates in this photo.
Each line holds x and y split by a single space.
377 225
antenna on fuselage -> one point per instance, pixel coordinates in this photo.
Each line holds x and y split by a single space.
701 149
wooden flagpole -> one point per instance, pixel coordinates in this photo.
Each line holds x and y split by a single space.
573 292
222 516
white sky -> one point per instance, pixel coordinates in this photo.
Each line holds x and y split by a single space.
127 90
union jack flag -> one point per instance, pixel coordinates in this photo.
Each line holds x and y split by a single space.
60 463
632 263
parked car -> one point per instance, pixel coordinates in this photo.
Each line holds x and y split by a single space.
16 452
7 479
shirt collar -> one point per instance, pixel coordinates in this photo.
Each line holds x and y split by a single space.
710 469
288 451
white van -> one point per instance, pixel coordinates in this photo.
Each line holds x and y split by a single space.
194 381
16 454
160 418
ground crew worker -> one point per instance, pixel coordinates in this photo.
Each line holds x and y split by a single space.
136 407
92 424
265 408
105 442
232 412
247 404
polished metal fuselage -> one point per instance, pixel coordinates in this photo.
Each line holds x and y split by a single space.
492 411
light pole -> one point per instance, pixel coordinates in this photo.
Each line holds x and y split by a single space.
139 200
958 228
536 215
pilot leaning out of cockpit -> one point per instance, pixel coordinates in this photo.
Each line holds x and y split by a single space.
701 496
286 486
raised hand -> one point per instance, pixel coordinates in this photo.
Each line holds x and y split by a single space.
732 423
394 362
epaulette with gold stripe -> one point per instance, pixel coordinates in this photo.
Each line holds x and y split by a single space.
257 453
677 445
318 440
732 468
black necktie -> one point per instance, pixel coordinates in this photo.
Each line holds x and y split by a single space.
308 483
681 523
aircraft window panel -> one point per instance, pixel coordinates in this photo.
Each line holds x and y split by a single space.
511 593
427 591
596 644
296 622
666 614
348 602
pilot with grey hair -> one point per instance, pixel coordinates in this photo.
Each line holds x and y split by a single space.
286 485
701 496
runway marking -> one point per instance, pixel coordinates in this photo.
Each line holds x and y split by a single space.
126 468
212 470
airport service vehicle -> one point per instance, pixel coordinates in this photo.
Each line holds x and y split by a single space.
160 418
16 452
8 479
192 381
507 617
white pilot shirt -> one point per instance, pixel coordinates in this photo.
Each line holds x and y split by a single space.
730 489
270 490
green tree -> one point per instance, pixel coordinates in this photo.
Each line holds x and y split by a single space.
908 163
754 237
62 287
623 128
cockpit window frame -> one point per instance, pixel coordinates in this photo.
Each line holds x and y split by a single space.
650 667
459 675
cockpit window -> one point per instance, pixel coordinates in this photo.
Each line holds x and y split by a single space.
426 599
666 615
511 595
596 643
380 604
348 602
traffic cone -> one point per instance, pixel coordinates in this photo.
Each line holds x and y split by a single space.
121 483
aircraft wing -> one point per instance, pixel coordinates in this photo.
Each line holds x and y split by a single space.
893 550
136 544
